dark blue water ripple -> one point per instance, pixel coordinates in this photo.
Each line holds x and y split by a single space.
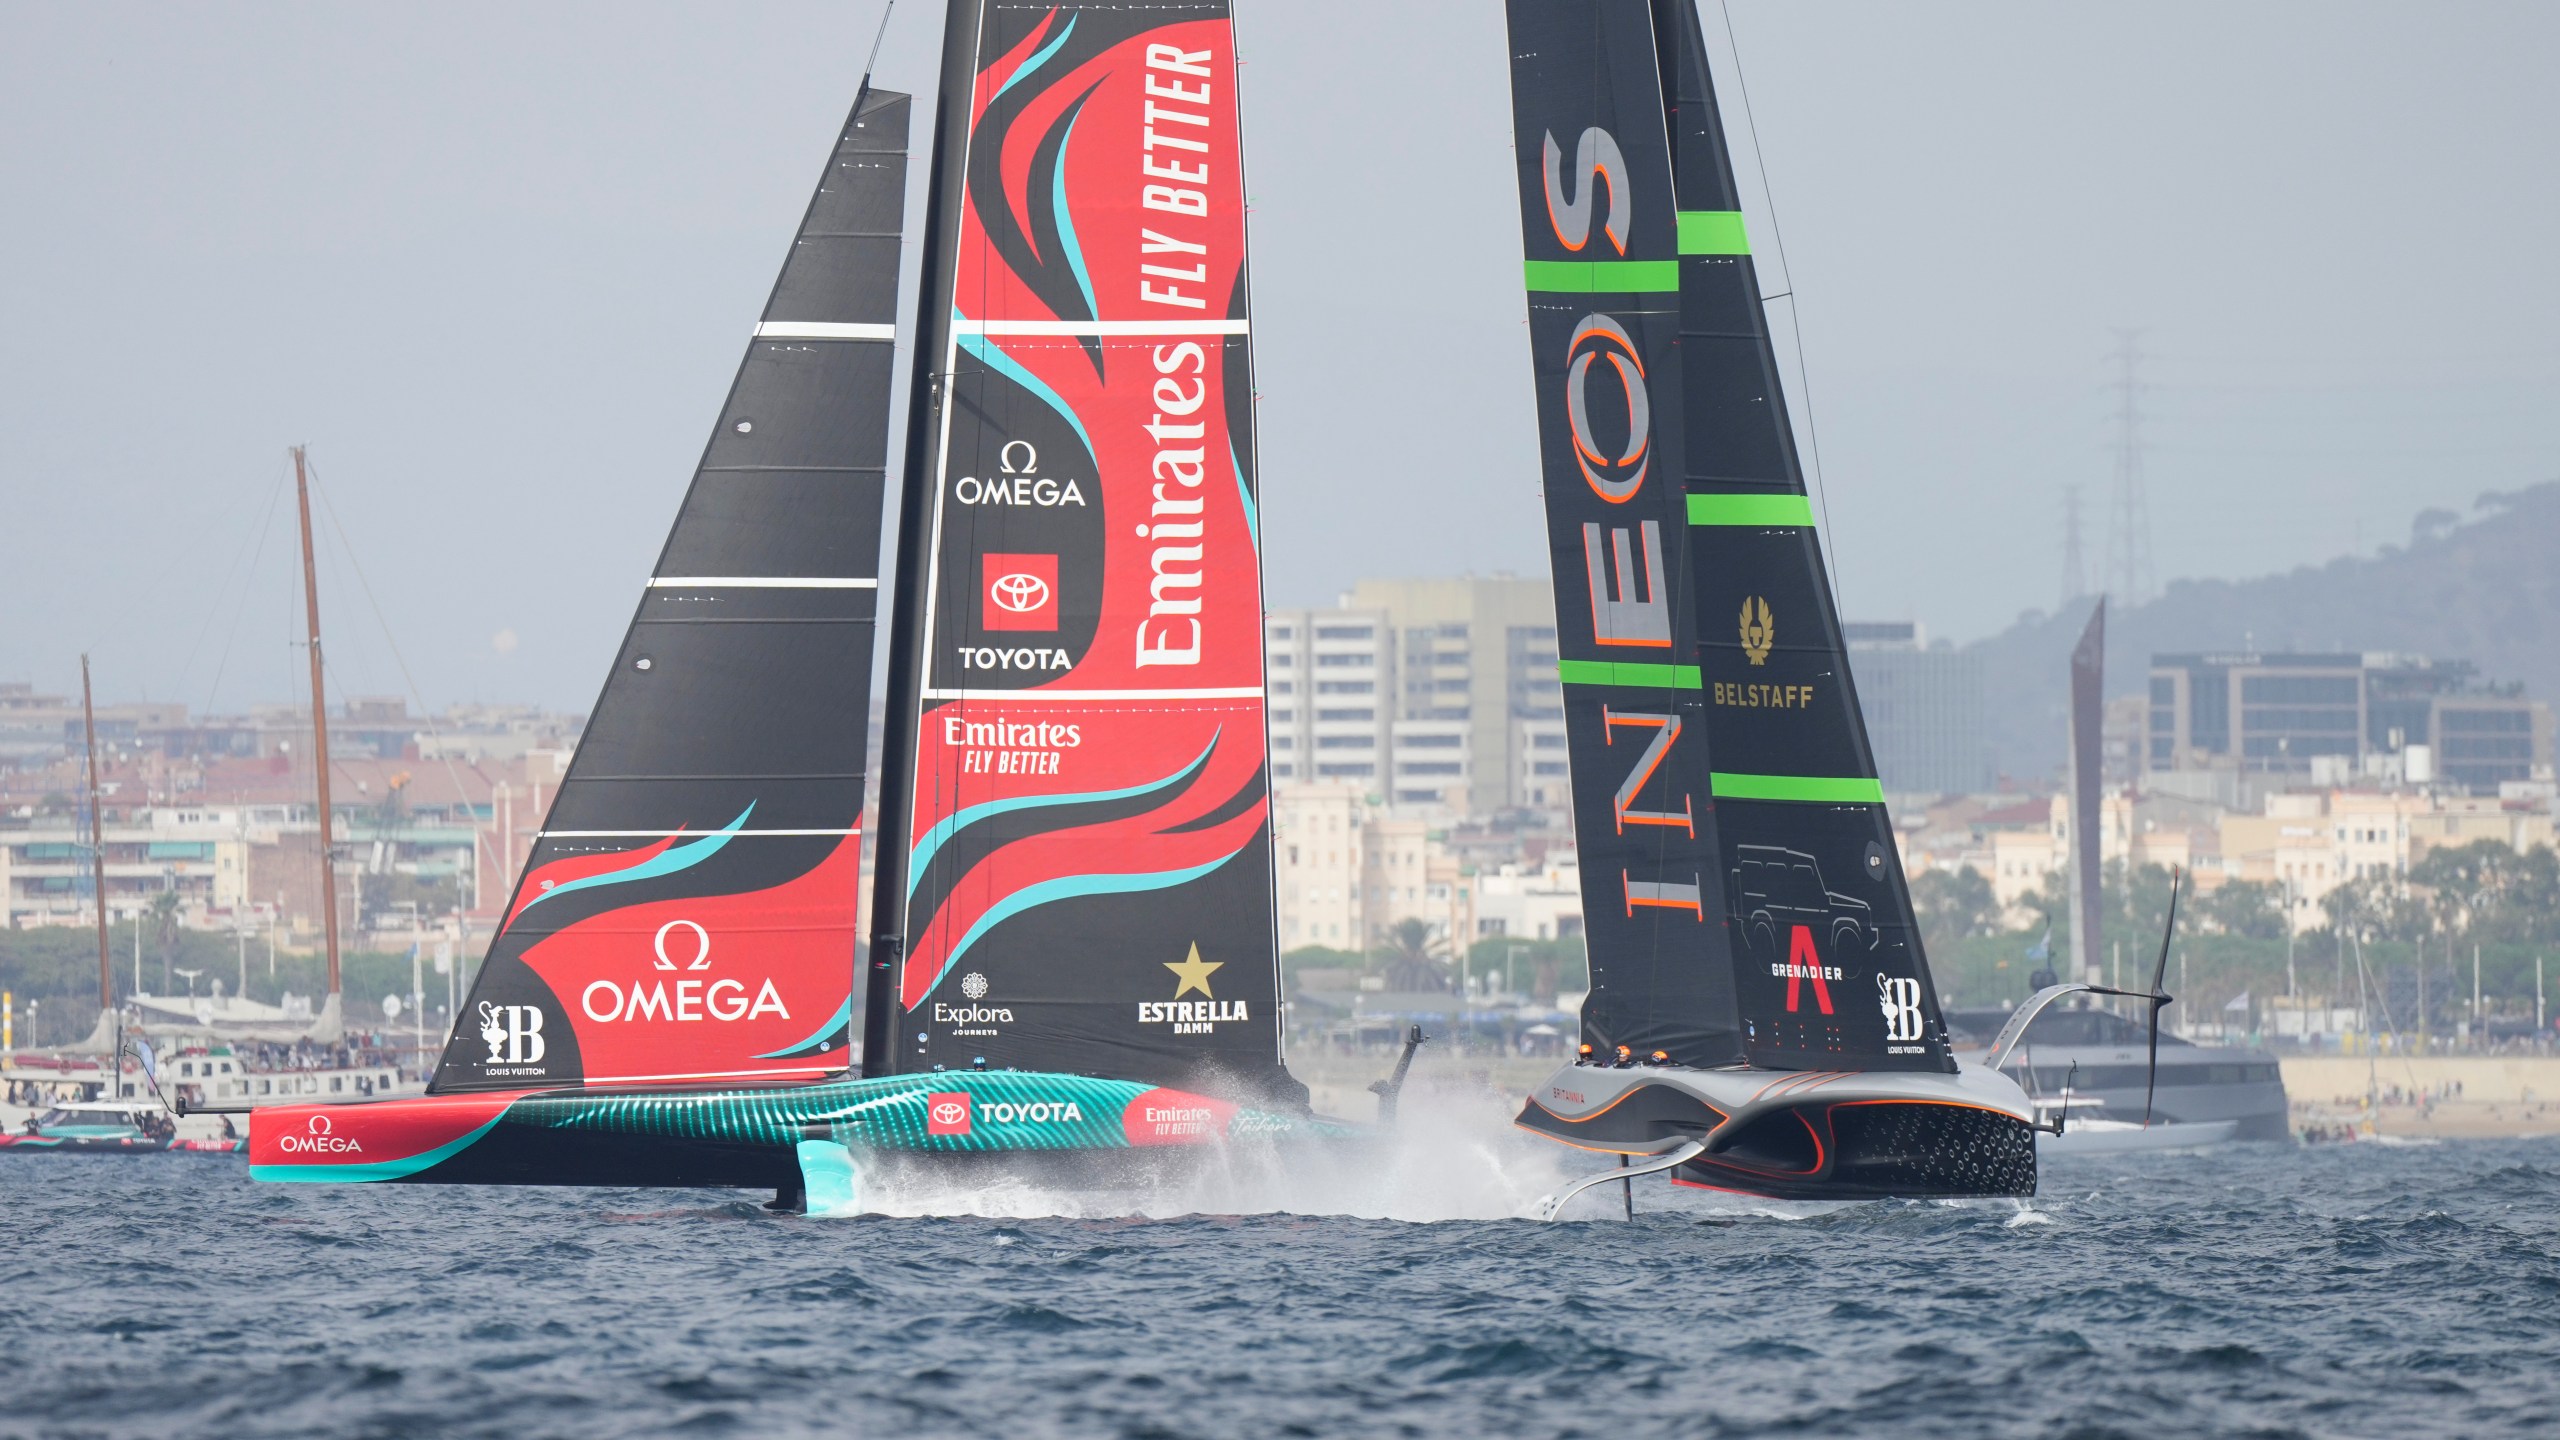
2258 1291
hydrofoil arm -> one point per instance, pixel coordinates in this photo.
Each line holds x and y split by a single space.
1553 1205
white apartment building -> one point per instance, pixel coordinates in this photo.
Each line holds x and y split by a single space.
1541 778
1429 694
1350 870
199 853
2307 842
1316 839
1540 902
1330 673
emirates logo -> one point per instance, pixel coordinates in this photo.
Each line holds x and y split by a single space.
1019 594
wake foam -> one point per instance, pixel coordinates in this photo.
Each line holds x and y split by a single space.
1453 1154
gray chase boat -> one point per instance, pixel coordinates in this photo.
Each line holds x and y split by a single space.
2100 1056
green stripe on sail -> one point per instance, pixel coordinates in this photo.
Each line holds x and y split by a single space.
1713 232
1602 277
1629 672
1751 510
1816 789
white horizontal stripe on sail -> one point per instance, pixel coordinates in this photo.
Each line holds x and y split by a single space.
822 330
671 834
759 582
1099 327
1231 692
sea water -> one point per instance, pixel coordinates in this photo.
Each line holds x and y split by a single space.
2249 1290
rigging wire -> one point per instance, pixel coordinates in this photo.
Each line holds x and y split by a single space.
247 576
425 717
1828 539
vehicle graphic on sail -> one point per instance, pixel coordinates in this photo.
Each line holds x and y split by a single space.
1071 944
1761 1016
1777 890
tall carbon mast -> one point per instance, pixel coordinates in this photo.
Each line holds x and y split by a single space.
946 190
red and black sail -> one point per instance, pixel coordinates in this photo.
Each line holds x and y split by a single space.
1806 955
1074 870
688 913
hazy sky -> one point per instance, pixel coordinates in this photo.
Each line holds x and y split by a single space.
497 262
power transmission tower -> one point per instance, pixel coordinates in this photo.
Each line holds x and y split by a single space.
2075 571
2128 571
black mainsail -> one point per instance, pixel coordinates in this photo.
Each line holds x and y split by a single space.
1830 968
688 912
1601 233
1722 775
1761 1017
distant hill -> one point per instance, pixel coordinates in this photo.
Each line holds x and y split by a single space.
2484 589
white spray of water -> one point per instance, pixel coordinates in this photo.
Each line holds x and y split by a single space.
1453 1154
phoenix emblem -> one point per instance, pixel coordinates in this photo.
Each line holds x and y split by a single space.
1759 630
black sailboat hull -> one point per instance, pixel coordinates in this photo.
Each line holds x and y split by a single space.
1803 1135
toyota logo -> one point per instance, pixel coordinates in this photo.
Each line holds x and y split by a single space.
319 1125
1019 593
950 1112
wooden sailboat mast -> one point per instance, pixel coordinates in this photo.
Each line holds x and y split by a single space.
319 723
97 842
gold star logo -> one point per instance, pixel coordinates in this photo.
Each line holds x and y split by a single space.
1194 974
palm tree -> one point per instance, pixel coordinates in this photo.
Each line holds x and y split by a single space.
164 931
1418 960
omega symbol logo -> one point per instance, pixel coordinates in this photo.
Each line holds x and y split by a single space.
316 1140
701 946
974 985
1021 594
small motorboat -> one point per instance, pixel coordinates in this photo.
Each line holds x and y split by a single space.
96 1127
2084 1128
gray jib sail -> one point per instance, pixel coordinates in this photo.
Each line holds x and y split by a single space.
1600 236
2088 755
688 912
1829 966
